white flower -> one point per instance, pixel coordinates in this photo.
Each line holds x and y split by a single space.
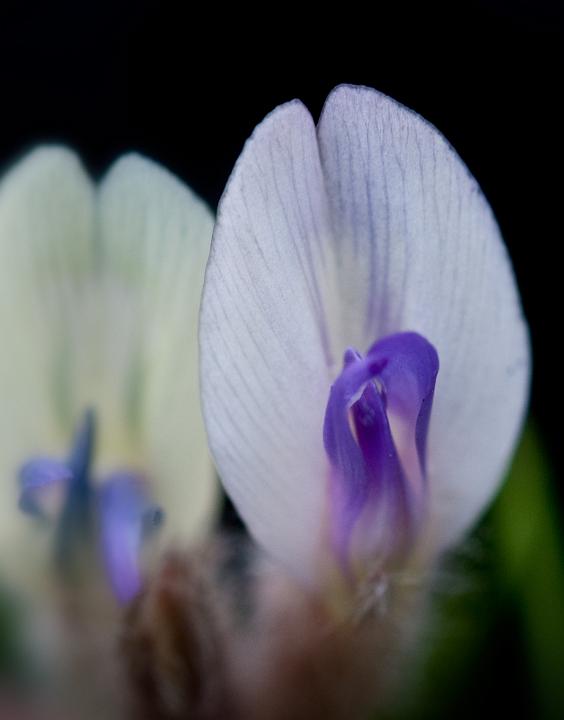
365 233
99 298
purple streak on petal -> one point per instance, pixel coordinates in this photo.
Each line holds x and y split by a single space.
125 515
369 477
37 477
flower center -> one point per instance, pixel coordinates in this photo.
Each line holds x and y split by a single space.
115 514
375 433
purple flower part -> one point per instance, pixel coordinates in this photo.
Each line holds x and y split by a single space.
37 478
375 483
125 514
74 523
409 372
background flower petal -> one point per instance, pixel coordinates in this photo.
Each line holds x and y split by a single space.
264 336
419 249
47 248
155 236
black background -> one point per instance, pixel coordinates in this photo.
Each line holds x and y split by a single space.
187 90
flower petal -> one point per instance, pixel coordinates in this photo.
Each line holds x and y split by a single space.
419 250
123 509
366 475
46 249
40 479
155 238
265 343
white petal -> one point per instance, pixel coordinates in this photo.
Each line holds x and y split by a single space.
46 250
155 238
419 250
264 341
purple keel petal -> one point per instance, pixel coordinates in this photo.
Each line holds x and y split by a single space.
410 369
40 479
375 430
61 492
125 514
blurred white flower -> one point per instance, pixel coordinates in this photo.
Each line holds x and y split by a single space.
99 404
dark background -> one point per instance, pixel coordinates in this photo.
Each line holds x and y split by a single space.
187 90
